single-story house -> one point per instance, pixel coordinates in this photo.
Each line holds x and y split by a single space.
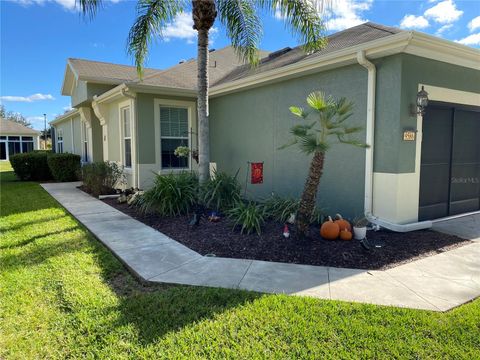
421 165
16 138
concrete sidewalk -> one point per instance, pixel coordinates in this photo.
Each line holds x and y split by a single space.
437 283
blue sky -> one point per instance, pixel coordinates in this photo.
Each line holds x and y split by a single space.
37 36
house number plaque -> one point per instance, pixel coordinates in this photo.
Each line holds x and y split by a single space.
409 135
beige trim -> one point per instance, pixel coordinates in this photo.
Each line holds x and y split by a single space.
64 117
436 93
130 170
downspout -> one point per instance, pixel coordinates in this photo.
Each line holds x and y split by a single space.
369 130
370 140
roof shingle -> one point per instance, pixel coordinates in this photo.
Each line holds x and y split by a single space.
13 128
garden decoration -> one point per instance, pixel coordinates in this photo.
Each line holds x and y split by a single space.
360 227
329 127
346 235
329 230
213 217
286 232
342 223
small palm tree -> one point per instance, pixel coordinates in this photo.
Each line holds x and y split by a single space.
243 26
328 128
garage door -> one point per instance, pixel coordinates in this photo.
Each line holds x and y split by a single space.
450 161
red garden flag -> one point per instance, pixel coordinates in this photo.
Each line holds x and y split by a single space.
257 173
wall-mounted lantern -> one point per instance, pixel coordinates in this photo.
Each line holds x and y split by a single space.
422 103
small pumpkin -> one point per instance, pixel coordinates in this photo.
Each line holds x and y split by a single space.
342 223
329 230
346 235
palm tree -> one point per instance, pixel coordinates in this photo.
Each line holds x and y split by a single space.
243 26
328 128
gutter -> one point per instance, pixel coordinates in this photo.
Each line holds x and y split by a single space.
370 139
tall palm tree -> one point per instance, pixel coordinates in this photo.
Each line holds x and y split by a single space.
243 26
316 138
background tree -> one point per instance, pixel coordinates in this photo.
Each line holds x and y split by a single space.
328 127
14 116
243 26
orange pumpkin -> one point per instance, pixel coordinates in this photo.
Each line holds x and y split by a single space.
345 235
342 223
329 230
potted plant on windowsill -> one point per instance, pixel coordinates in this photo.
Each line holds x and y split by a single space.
360 227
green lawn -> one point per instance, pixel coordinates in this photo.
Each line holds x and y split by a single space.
63 295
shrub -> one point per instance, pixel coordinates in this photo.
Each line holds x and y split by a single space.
249 215
102 177
31 166
64 167
171 195
280 209
221 192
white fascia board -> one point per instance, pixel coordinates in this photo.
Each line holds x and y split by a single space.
111 95
161 90
374 49
64 117
431 47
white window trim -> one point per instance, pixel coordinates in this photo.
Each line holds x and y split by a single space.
59 132
84 138
191 108
122 105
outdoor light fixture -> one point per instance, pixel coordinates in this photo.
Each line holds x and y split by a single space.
422 103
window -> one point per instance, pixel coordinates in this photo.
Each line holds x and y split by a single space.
127 137
173 133
60 141
27 144
85 142
14 145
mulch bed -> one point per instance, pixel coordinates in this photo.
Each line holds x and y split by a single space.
389 249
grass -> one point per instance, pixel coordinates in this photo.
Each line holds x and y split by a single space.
63 295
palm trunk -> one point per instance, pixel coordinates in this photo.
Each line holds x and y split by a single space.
202 104
309 196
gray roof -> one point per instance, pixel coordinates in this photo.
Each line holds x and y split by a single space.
184 75
13 128
225 66
341 40
107 71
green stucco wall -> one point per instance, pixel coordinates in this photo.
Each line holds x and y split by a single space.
97 140
146 125
397 87
84 92
251 125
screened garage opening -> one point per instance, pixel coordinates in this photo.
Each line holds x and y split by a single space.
450 161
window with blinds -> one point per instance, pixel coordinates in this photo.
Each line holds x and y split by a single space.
173 133
127 138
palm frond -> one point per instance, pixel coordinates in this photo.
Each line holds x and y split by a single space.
153 16
292 142
302 16
298 111
89 8
317 101
243 26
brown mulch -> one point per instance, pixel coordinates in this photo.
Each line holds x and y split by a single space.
388 249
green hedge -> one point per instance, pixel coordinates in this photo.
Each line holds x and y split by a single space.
64 167
31 166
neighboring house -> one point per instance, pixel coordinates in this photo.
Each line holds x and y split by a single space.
16 138
398 181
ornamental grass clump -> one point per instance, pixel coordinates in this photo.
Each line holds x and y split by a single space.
281 209
221 192
249 215
171 195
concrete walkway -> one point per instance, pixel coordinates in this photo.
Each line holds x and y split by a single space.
437 283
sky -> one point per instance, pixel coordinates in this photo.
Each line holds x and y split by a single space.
38 36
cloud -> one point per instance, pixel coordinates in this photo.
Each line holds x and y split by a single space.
339 14
31 98
470 40
414 22
182 28
444 28
474 24
444 12
69 5
67 108
343 14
